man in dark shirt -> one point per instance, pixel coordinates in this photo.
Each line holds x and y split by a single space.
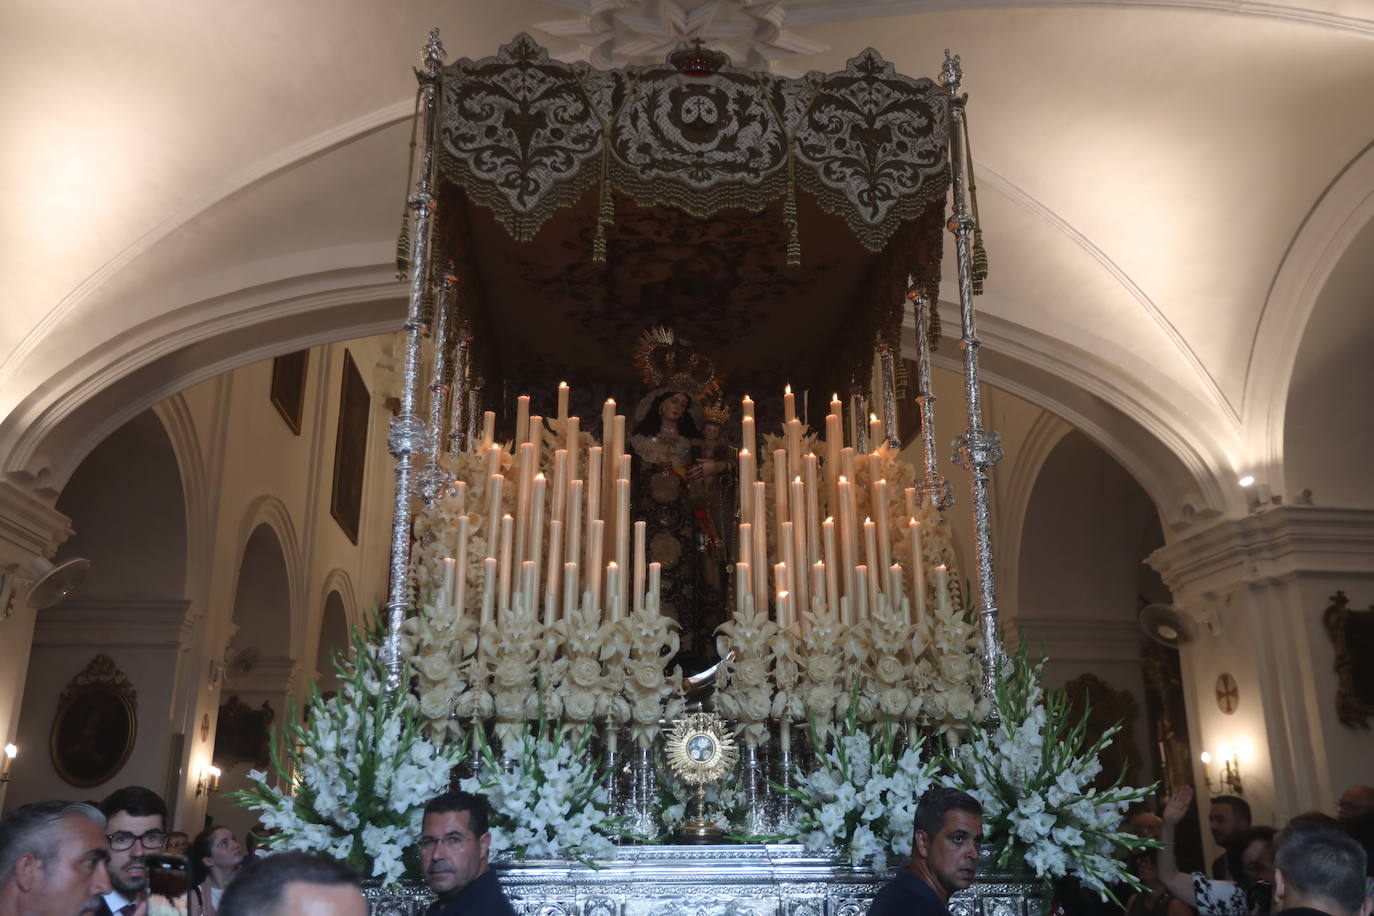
944 856
1319 871
454 840
1229 819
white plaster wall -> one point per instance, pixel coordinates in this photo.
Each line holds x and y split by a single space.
240 466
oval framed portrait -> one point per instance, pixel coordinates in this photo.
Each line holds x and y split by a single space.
93 734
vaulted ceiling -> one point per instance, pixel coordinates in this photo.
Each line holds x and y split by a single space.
1165 187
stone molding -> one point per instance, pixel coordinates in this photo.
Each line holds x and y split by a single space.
29 526
125 622
1273 544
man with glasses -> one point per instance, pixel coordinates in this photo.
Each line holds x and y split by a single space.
135 822
454 840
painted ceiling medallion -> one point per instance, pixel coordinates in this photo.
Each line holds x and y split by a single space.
618 33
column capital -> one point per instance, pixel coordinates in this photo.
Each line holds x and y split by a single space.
29 525
1273 544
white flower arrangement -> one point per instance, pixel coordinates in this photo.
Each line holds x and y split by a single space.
861 798
357 775
1030 771
548 800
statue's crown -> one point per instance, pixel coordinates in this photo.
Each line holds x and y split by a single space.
668 361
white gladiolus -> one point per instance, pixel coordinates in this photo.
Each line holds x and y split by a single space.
323 801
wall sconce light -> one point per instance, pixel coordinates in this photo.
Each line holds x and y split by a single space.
1230 783
7 761
208 783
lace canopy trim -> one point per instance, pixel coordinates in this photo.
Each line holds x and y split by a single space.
525 135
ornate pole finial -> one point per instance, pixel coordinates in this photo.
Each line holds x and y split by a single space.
434 52
951 75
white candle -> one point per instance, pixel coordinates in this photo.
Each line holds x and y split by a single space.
832 566
534 543
742 577
626 465
836 406
848 535
942 590
813 507
507 531
562 400
894 586
918 570
834 441
847 466
880 511
460 497
818 581
569 589
488 429
559 494
747 437
524 482
779 495
607 420
522 419
759 555
460 596
871 558
555 567
494 460
798 561
655 585
573 529
594 568
593 483
788 561
746 477
784 612
488 590
613 589
876 434
639 570
789 405
529 587
860 605
910 494
793 431
537 440
622 541
494 483
573 431
444 598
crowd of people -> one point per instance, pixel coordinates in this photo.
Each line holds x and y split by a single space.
69 858
117 858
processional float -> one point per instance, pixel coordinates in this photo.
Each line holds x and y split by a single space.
783 225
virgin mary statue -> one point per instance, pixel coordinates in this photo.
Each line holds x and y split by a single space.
683 479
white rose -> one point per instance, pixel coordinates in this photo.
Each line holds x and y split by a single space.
584 672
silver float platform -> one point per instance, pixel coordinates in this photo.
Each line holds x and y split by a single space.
734 880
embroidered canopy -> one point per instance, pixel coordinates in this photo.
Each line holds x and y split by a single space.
774 221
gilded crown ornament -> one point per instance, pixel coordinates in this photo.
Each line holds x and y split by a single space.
717 412
667 361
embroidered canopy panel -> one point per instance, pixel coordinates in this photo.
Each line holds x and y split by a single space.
772 220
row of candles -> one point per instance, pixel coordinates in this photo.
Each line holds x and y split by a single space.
595 557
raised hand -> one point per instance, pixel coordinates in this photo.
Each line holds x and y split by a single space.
1177 805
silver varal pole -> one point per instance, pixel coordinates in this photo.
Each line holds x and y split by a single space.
433 480
977 450
407 436
933 486
887 357
458 426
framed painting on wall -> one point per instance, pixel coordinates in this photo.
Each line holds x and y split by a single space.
96 723
288 387
350 450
